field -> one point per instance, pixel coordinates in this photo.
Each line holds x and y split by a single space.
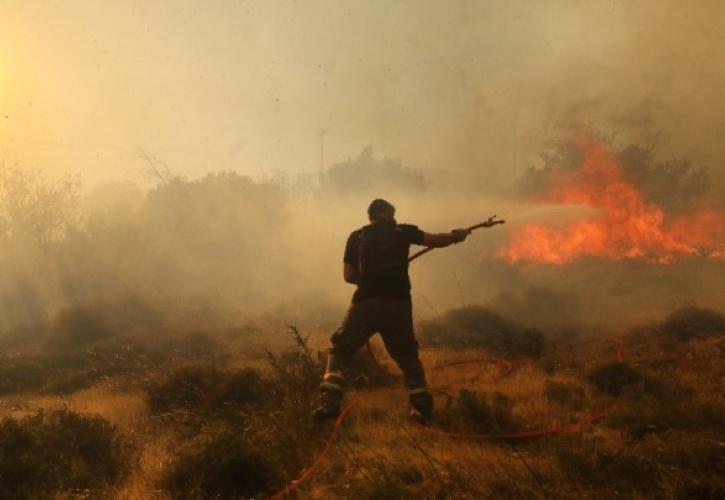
94 413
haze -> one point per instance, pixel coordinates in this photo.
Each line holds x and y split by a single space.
468 95
86 87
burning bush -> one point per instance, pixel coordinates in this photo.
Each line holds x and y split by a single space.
478 327
48 453
218 463
631 221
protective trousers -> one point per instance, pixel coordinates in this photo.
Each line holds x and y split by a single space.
393 318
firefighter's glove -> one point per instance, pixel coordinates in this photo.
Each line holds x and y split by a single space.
459 235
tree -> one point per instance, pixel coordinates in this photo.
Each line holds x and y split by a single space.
367 173
676 184
36 208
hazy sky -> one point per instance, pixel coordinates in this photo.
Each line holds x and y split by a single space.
87 86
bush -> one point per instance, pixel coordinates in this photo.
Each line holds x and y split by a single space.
218 463
564 394
613 377
475 412
478 327
204 387
77 326
651 415
59 451
605 468
66 370
691 322
19 374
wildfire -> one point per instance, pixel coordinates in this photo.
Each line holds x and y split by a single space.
626 225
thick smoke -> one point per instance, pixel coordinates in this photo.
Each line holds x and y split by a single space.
228 249
466 96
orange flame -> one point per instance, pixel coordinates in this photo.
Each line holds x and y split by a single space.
626 226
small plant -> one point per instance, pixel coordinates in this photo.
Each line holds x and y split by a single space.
613 377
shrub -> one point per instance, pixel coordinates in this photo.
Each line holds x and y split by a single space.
20 374
610 469
692 322
651 415
478 327
475 412
386 481
77 326
218 463
204 387
613 377
564 394
59 451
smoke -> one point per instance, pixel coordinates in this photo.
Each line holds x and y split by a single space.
458 102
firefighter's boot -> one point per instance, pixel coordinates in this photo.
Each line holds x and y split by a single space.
422 403
332 391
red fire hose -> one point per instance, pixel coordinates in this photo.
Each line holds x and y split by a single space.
507 368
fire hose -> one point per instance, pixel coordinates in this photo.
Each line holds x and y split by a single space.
512 436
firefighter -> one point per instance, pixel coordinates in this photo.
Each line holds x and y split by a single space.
376 261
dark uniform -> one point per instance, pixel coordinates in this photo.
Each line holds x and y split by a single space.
381 304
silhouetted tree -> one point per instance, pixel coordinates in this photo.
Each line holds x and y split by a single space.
675 184
367 173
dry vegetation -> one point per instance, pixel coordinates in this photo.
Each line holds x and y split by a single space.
110 413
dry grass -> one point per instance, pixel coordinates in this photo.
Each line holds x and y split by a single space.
664 438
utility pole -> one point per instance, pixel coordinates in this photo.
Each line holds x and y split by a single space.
322 151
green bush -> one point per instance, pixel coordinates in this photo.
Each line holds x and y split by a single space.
218 463
59 451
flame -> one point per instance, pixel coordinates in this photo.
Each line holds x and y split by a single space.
626 225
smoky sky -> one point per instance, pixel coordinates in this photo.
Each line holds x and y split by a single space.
470 89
